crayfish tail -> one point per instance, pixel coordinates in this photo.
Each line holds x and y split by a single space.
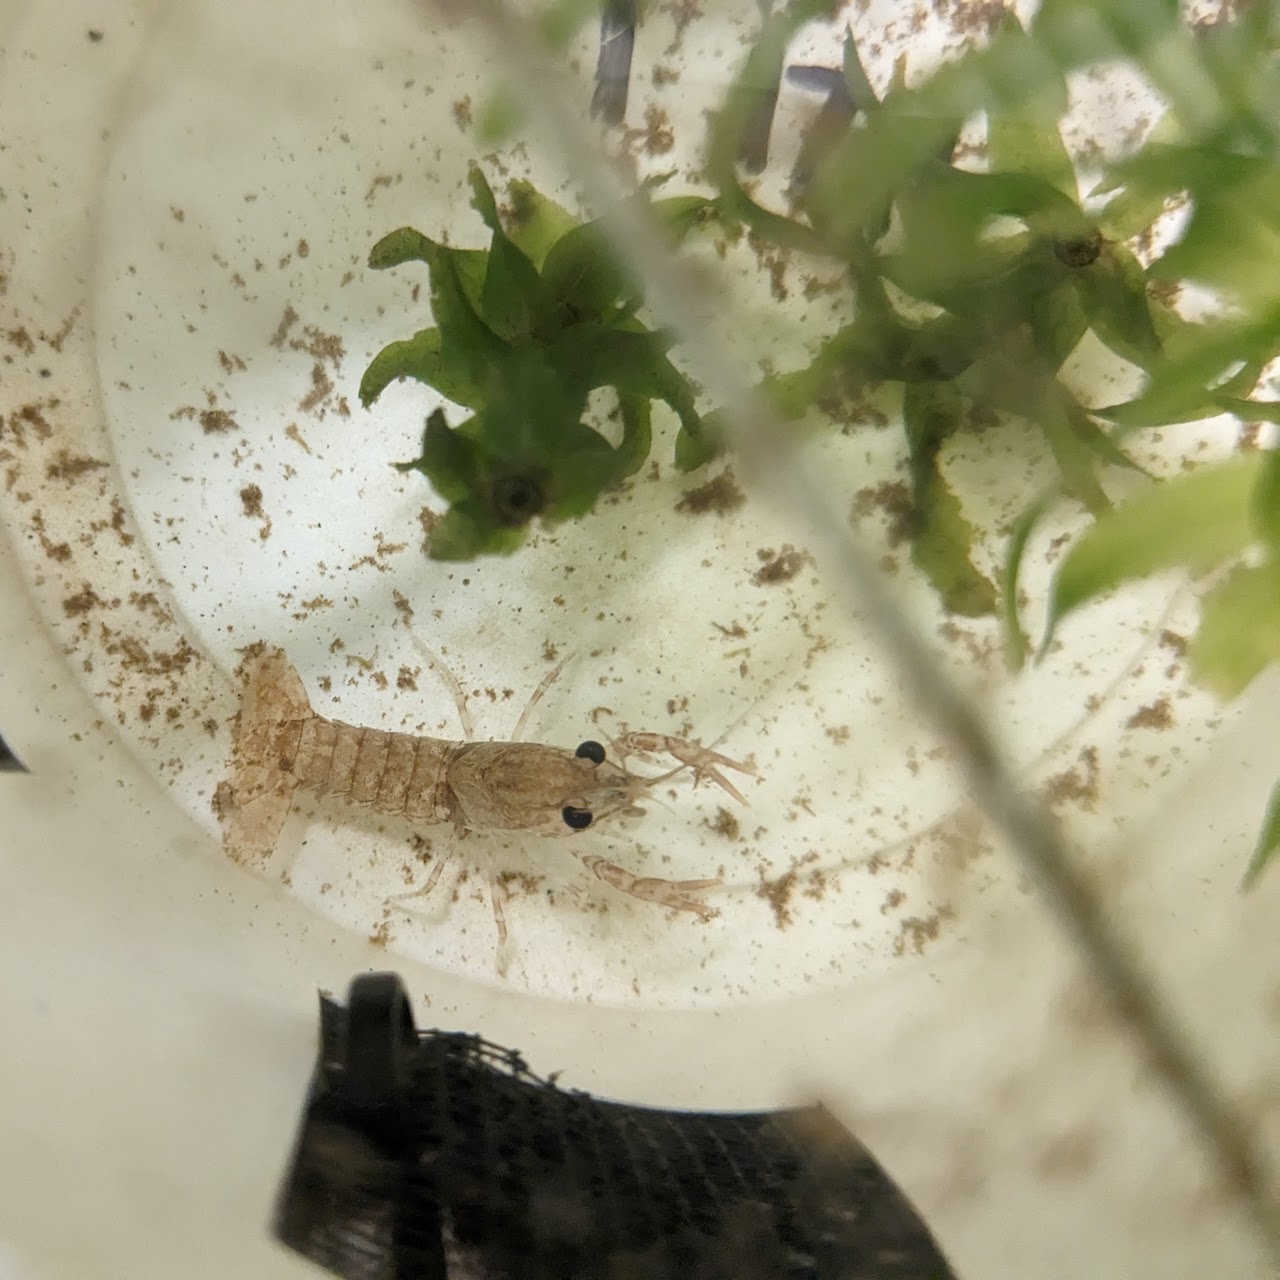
255 801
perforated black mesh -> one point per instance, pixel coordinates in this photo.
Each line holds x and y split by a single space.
478 1169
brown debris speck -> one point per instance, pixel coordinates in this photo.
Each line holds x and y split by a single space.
116 524
213 422
1159 715
893 499
150 662
720 495
79 604
1069 1155
56 340
251 501
287 321
321 389
66 466
916 932
403 607
778 566
892 901
682 12
30 415
319 346
774 261
292 433
778 893
657 133
1072 786
725 824
462 112
59 551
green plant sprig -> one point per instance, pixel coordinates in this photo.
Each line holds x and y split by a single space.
524 331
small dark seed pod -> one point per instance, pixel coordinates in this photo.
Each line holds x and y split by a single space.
1080 252
516 499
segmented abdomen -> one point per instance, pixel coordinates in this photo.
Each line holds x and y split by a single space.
394 773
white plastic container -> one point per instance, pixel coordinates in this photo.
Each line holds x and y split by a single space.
182 180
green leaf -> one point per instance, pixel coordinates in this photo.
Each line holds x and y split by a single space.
861 94
585 465
531 403
890 350
1197 167
1228 246
500 117
941 549
696 448
1087 30
1075 447
466 531
1016 645
482 200
679 215
1103 446
1113 292
450 459
637 434
1268 839
408 245
1266 499
1249 410
942 539
1196 519
1182 385
1058 322
1232 238
854 186
535 222
1239 633
468 344
514 302
468 347
402 245
421 358
1131 212
581 271
561 20
1027 140
633 362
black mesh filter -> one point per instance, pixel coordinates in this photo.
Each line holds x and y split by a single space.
440 1155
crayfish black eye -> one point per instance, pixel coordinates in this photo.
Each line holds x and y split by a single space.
592 751
577 819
